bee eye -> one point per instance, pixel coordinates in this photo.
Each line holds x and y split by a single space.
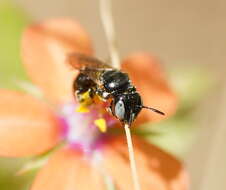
120 110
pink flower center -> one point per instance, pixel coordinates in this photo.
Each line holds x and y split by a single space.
80 129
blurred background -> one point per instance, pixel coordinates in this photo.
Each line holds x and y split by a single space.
187 36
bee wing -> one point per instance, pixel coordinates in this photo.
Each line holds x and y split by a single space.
83 62
89 66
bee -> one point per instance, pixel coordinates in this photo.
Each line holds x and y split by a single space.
111 85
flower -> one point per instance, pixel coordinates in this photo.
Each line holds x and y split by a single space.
30 126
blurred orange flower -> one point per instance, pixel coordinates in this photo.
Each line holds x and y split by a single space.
31 126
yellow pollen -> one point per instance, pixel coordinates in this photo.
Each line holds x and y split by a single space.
85 100
86 95
82 109
101 124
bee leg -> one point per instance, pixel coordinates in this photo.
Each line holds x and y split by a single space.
105 96
109 108
102 94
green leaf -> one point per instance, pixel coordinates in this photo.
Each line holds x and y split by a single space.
173 135
12 23
191 84
8 178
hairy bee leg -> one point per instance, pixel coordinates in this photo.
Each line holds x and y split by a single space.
109 110
103 94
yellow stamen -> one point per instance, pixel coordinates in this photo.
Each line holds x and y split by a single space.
101 124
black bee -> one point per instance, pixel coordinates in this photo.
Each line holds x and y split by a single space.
99 79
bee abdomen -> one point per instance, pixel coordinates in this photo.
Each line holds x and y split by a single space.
83 83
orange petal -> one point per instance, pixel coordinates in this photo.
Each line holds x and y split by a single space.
45 47
156 169
148 76
27 126
67 170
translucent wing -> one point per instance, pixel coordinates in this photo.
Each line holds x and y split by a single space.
82 62
88 65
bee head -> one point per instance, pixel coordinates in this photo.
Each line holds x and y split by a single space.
126 107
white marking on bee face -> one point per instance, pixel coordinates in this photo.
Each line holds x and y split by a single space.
120 109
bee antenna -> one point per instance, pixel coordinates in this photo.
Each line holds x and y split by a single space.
154 110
